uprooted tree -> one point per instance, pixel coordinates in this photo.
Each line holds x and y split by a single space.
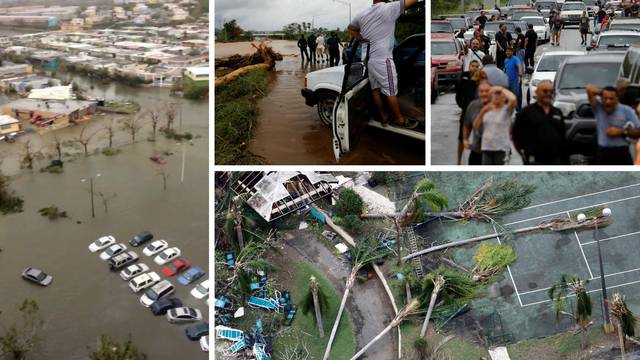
263 57
9 201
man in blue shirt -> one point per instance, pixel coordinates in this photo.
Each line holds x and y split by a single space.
513 69
615 123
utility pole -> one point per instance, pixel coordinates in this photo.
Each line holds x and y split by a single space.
91 193
343 2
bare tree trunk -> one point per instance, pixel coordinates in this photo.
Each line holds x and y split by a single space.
316 305
623 352
437 286
350 281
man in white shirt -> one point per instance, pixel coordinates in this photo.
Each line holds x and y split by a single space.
472 53
377 24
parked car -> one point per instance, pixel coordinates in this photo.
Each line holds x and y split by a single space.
571 12
614 40
144 281
446 55
113 250
518 14
204 343
155 247
630 68
183 314
442 26
133 270
194 273
599 69
163 305
156 292
201 290
37 276
141 238
459 22
539 26
102 243
545 6
591 6
121 260
175 267
624 23
167 255
546 68
195 332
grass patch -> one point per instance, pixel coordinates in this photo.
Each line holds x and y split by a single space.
111 151
195 89
122 107
456 348
344 345
236 113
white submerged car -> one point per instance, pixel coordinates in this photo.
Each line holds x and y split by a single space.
132 270
204 343
112 251
201 290
546 68
155 247
102 243
144 281
540 26
355 110
167 255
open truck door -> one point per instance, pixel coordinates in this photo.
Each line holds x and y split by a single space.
351 111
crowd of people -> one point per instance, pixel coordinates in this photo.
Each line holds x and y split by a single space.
492 119
320 49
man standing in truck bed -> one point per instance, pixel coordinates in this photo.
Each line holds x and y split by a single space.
377 24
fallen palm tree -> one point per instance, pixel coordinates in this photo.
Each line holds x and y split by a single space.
558 224
492 259
263 58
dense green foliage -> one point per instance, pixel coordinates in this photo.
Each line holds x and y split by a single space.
349 203
9 202
108 349
351 223
494 257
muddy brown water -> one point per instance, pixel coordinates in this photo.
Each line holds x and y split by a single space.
288 132
86 299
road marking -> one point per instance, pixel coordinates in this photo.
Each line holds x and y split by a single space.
508 267
583 255
611 238
581 196
580 208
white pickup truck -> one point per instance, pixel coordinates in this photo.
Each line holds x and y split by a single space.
355 109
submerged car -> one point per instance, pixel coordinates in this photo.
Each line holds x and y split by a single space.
37 276
163 305
143 281
141 238
102 243
155 247
204 343
352 113
183 314
167 255
175 267
133 270
112 251
201 290
191 275
195 332
156 292
121 260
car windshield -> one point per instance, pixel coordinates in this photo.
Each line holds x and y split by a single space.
458 23
618 40
573 6
201 289
545 5
443 48
623 26
521 14
589 2
577 76
39 275
535 21
441 28
164 255
112 250
551 63
518 2
151 294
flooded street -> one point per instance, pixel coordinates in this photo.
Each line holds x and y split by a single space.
85 299
290 132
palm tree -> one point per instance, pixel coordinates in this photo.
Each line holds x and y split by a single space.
362 254
625 320
400 317
317 299
581 313
438 284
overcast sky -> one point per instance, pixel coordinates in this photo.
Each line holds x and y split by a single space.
274 14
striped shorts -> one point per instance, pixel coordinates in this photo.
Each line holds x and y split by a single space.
383 76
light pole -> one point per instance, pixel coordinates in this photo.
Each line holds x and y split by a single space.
345 3
606 212
90 179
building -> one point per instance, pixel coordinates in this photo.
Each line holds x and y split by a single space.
13 70
8 125
50 112
62 92
197 74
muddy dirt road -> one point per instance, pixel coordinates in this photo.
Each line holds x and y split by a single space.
290 132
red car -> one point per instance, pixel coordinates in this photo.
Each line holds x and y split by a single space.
446 53
175 267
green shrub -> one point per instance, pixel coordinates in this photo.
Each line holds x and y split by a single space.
352 223
349 203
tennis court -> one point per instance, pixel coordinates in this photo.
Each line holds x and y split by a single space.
544 256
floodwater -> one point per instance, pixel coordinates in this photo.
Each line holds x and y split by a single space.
85 299
290 132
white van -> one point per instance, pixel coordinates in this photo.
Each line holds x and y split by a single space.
144 281
157 291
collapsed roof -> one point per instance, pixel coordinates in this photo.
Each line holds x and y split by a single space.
276 194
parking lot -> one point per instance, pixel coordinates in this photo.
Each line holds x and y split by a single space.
85 299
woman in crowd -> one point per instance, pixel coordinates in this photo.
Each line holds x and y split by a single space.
495 121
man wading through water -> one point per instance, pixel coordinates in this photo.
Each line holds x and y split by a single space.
377 24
